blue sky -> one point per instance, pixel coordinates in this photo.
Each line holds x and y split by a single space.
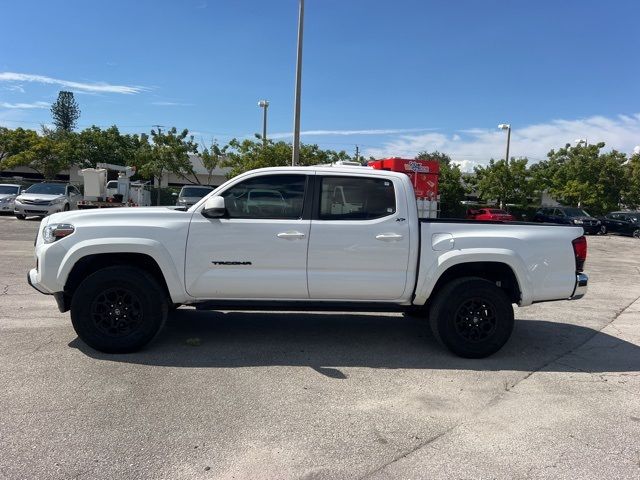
394 77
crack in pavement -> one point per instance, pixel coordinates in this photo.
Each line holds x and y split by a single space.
496 399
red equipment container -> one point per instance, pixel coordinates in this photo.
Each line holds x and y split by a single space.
424 174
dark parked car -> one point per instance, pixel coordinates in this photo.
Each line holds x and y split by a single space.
624 223
569 216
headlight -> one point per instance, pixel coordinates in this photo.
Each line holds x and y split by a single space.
578 222
56 231
18 199
598 222
57 201
6 200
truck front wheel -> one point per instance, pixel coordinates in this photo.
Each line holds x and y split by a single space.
118 309
472 317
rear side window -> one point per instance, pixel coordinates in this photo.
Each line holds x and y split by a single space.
356 198
267 196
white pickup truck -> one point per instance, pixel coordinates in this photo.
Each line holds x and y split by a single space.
308 238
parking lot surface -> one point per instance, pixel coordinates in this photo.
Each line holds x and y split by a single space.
315 395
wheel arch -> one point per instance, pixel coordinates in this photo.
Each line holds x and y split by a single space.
499 272
85 260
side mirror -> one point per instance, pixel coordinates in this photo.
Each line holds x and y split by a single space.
214 207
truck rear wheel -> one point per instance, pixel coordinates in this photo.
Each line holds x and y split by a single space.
118 309
472 317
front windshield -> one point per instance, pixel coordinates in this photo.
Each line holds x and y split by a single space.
195 191
9 189
47 189
575 212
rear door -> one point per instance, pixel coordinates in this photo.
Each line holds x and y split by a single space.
359 245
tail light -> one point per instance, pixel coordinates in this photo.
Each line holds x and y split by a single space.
580 251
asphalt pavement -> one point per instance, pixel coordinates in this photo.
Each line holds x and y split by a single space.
262 395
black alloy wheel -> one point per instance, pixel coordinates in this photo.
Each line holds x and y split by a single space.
475 320
117 312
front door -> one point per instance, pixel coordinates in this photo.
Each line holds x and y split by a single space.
258 250
359 245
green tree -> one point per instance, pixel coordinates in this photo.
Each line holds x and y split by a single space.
166 152
585 176
13 142
249 154
108 146
631 195
48 154
451 188
211 158
505 182
65 111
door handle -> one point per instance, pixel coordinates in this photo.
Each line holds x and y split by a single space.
388 237
291 235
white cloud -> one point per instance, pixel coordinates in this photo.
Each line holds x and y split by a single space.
24 106
98 87
14 88
172 104
390 131
476 146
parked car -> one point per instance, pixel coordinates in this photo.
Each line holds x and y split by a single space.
42 199
489 214
119 270
569 215
624 223
191 194
8 194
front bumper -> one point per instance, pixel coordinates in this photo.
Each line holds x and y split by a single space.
591 229
32 279
36 210
580 290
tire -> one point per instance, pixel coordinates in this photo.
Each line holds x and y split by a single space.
636 233
103 325
603 230
481 336
20 217
66 207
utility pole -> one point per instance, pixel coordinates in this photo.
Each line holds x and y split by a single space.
296 116
507 127
159 127
357 154
265 105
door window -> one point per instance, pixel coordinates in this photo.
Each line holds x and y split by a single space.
267 196
356 198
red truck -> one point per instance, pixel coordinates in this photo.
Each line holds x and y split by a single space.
424 178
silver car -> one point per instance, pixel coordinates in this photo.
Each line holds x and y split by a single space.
43 199
191 194
8 194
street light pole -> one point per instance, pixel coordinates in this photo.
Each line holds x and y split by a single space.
264 104
507 127
296 116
